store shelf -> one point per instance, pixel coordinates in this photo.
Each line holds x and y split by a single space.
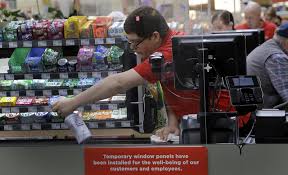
96 124
33 93
56 75
90 107
63 42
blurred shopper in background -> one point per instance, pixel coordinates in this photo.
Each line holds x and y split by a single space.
222 20
253 20
271 16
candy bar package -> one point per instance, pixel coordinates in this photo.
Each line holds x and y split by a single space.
62 65
40 117
24 101
86 30
21 84
72 26
116 29
86 82
100 26
56 29
70 83
40 101
12 118
27 118
49 60
113 58
5 85
54 83
8 101
40 30
2 118
25 30
38 84
99 61
84 59
33 61
10 31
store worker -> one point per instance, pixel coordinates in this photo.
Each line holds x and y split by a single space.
270 63
254 21
222 20
147 32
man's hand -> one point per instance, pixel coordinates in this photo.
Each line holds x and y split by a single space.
64 106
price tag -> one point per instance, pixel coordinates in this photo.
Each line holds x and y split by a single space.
14 93
8 128
2 77
1 45
6 110
27 43
30 93
76 91
110 125
13 44
70 42
46 109
32 109
95 107
82 75
36 126
110 40
47 93
64 126
125 124
46 76
63 92
85 42
63 75
55 126
113 106
99 41
9 77
15 110
3 94
57 42
92 125
25 127
28 76
96 74
42 43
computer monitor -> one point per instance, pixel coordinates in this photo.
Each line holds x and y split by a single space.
225 54
253 37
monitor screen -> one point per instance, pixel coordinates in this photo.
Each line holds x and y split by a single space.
253 37
225 54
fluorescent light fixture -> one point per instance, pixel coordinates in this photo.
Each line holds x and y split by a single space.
230 5
197 2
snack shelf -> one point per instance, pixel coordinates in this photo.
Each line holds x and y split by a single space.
61 42
45 108
93 124
56 75
44 92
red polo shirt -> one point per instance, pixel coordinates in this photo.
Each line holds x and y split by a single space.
182 102
269 28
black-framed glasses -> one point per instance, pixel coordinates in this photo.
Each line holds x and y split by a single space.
135 45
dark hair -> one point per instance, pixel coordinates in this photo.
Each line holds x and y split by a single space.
225 16
144 21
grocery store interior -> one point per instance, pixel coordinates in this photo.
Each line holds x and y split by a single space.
50 49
